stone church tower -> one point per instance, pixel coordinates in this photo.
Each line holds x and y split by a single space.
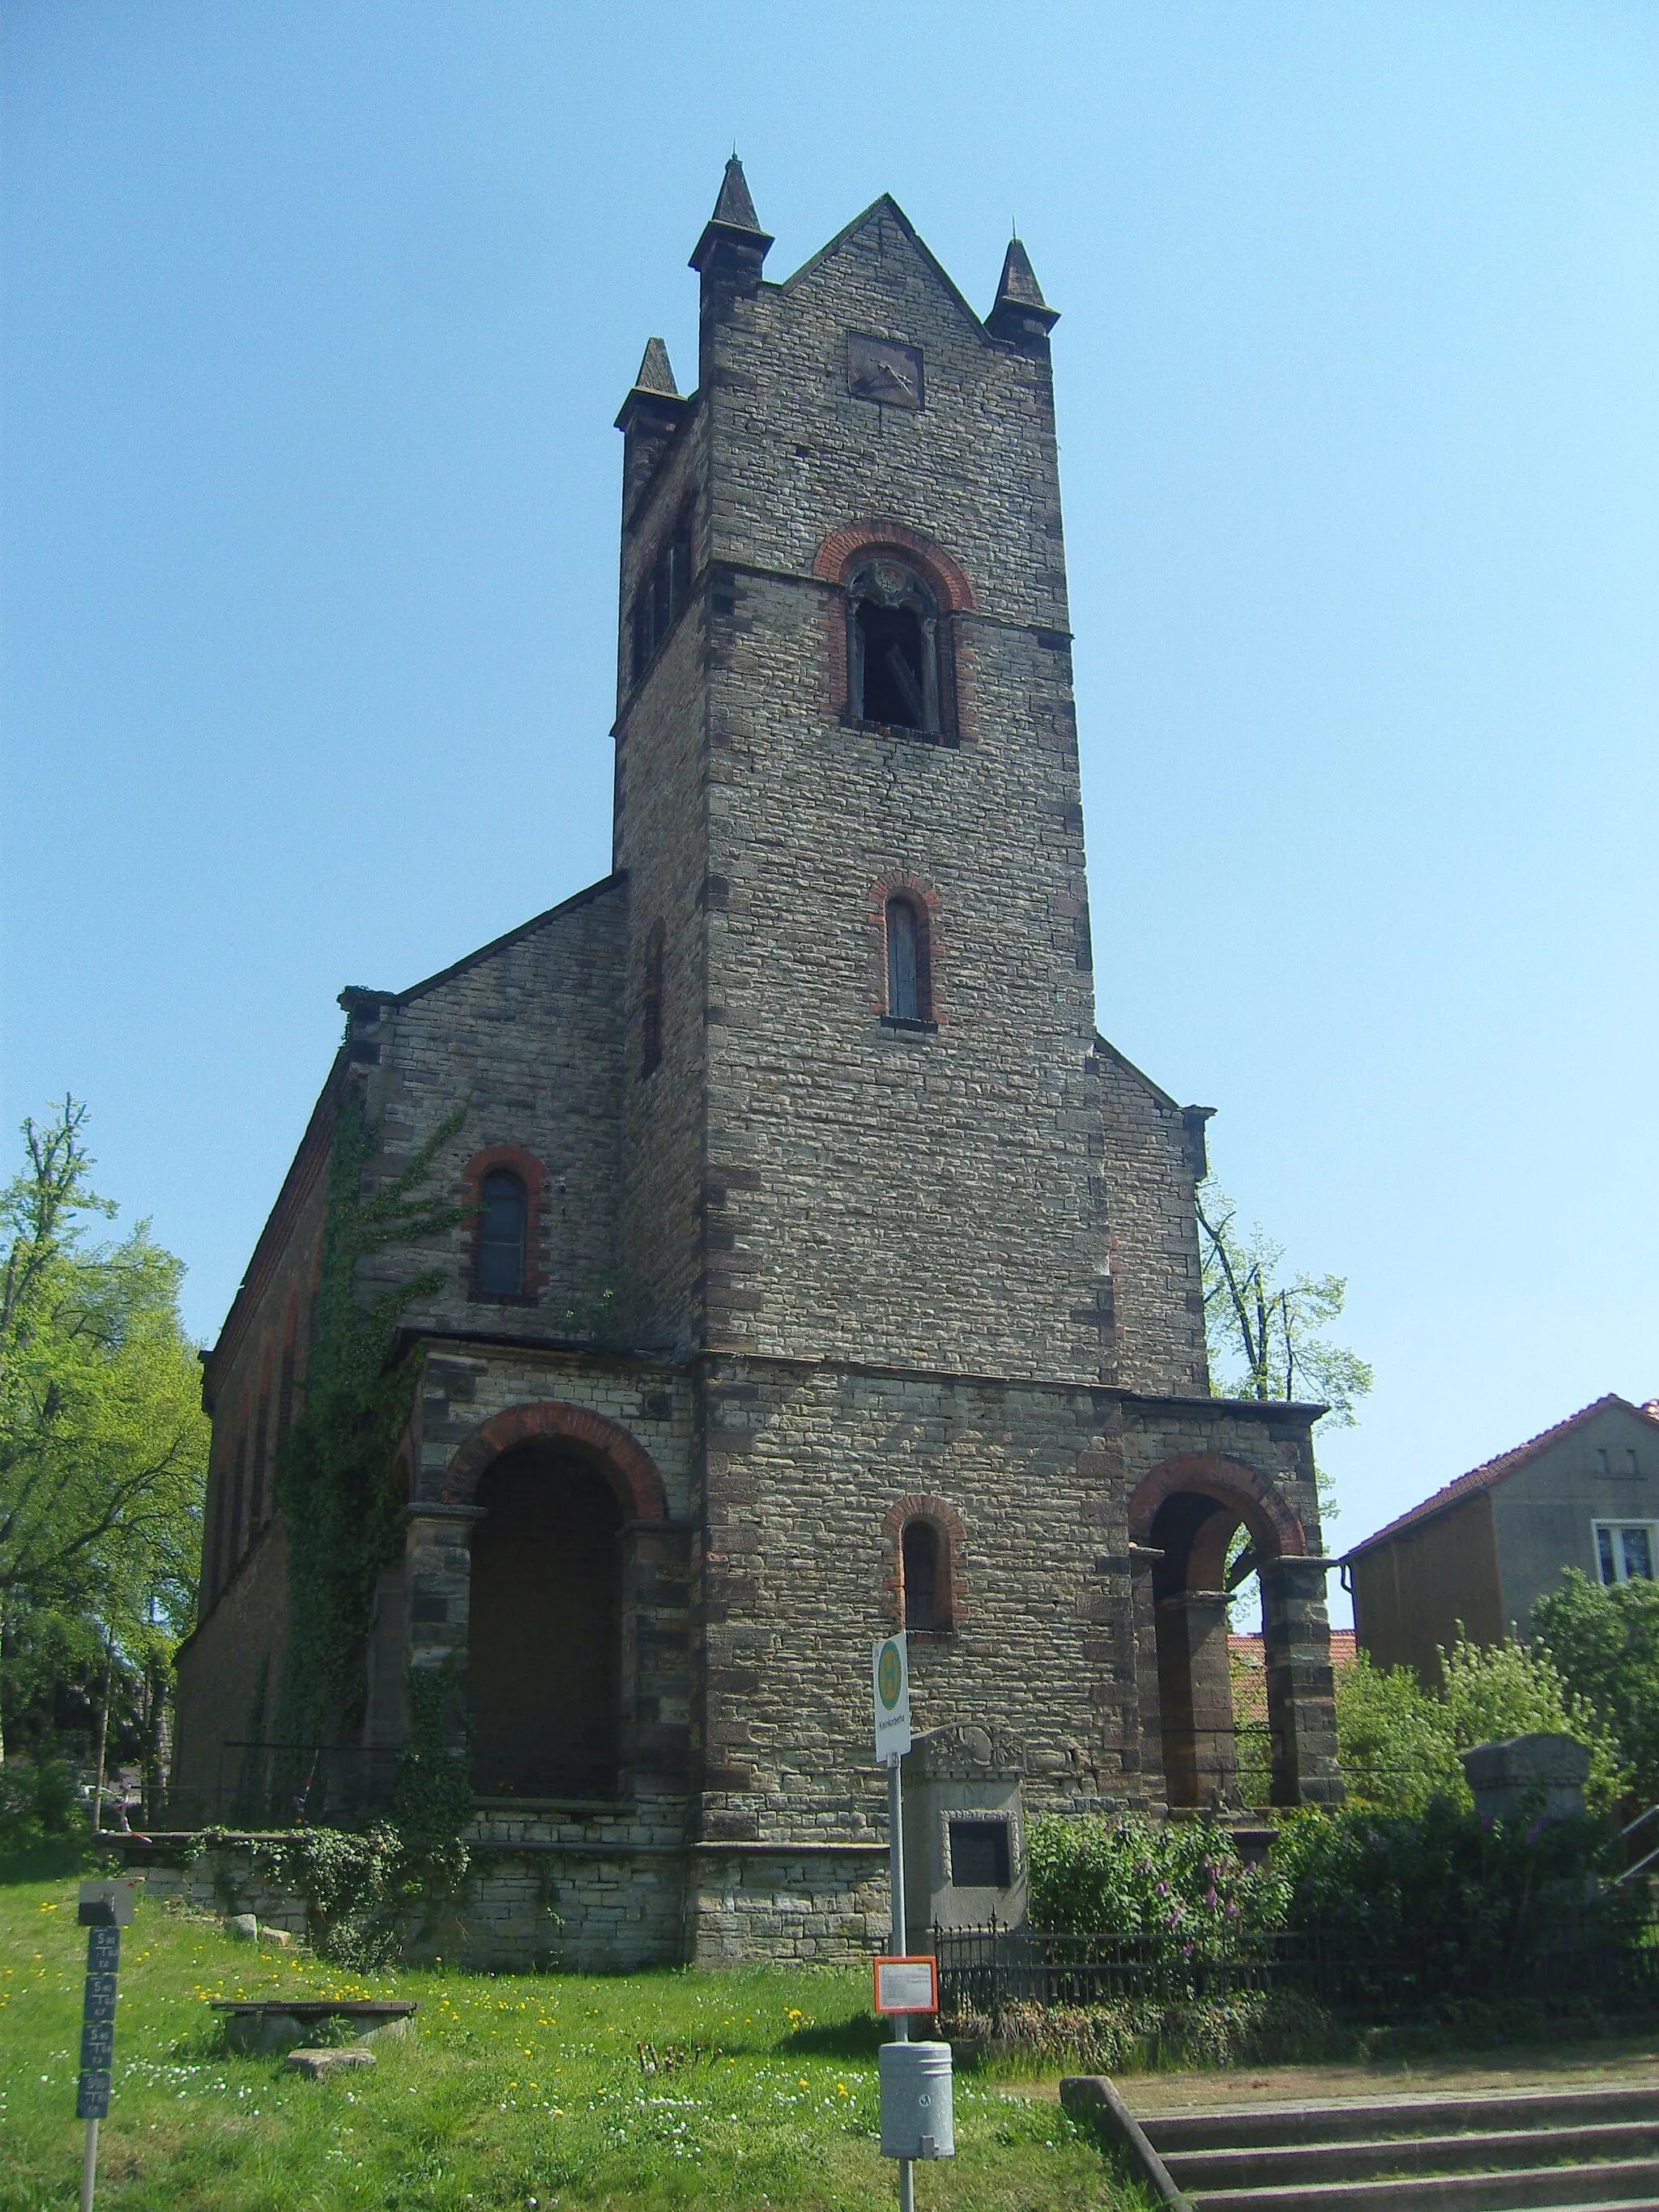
823 1270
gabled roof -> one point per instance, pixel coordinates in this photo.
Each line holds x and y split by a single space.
887 205
1122 1060
359 994
1491 1472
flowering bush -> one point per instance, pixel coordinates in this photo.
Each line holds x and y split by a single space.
1182 1884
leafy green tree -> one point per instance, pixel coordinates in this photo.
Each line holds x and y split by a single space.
1496 1690
1395 1742
1398 1744
103 1442
1605 1644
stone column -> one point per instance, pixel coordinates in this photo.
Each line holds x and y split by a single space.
1195 1690
438 1566
1301 1705
655 1701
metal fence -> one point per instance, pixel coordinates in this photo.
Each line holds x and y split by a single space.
1573 1961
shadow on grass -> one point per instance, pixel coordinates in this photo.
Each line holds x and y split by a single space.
857 2038
55 1861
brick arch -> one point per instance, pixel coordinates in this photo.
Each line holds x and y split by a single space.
627 1466
834 560
843 549
1277 1532
953 1536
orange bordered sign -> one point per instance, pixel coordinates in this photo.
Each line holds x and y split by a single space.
907 1985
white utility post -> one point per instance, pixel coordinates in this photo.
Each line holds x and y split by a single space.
916 2120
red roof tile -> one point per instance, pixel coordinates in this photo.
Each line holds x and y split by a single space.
1491 1472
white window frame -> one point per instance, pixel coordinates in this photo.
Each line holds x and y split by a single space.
1614 1528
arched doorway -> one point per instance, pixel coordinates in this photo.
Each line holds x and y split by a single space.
1185 1516
545 1635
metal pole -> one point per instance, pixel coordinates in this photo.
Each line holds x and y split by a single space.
896 1878
89 2168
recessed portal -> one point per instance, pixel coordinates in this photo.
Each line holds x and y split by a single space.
544 1647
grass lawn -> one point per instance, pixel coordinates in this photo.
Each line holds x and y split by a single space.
750 2088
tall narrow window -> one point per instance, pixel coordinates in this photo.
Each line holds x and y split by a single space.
651 1041
909 994
893 661
920 1552
501 1236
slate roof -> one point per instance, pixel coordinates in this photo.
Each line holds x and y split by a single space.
1491 1472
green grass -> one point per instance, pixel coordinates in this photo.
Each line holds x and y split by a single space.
656 2090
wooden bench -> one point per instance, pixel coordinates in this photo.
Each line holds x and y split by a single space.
277 2023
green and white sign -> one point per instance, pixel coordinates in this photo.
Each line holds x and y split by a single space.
889 1682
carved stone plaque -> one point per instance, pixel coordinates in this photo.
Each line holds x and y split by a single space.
883 370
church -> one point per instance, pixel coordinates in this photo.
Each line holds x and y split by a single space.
814 1268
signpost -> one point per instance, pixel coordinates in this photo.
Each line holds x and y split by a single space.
105 1908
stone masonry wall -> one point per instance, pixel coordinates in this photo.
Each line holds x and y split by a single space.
908 1197
660 844
230 1672
1158 1289
526 1037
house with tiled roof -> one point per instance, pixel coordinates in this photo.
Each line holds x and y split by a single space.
1480 1552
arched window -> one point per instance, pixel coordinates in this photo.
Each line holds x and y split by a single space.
909 989
892 649
503 1209
651 1040
920 1549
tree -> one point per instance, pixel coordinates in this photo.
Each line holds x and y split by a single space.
1262 1330
103 1442
1605 1644
1395 1741
1398 1744
1492 1691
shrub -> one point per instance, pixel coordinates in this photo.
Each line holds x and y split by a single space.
1122 2035
1606 1644
1398 1744
1183 1884
1497 1690
1394 1745
1442 1902
39 1802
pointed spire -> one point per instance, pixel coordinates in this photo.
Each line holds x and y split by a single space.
1019 279
1020 310
734 205
732 246
656 371
650 415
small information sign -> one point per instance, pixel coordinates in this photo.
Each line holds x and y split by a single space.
907 1985
890 1686
105 1908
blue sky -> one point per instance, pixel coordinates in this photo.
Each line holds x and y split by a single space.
315 321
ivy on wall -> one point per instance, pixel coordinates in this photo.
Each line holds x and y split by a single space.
336 1483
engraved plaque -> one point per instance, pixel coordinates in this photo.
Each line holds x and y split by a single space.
883 370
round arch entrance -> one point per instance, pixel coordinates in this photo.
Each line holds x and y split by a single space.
1185 1516
556 1496
543 1672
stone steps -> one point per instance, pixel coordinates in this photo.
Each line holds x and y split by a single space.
1541 2149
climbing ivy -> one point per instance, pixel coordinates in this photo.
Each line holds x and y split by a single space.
342 1507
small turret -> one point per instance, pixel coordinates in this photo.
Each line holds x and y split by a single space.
1020 314
650 415
732 252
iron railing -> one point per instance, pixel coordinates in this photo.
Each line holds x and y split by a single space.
1573 1960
